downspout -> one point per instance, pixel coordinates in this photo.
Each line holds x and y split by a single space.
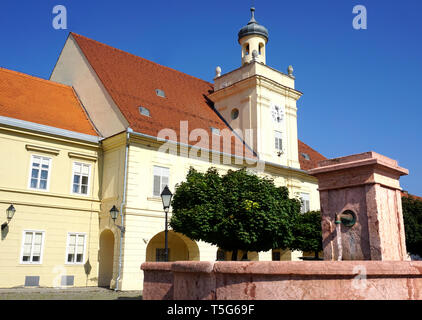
122 228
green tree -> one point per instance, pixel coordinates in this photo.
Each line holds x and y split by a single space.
308 233
412 216
237 211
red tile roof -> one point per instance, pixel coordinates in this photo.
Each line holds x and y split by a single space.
45 102
132 81
314 156
411 196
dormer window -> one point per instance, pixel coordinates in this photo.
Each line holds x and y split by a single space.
305 156
160 93
144 111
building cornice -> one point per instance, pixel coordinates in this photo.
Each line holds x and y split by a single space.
48 130
251 82
151 141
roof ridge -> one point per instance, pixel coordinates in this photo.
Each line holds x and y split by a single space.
149 61
25 75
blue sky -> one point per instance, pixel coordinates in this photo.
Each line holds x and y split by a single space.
361 87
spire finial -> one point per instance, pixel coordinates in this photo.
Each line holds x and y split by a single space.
252 15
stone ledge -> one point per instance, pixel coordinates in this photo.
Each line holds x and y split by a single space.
157 266
193 266
284 280
309 268
321 268
364 159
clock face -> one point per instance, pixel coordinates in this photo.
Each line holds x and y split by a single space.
277 114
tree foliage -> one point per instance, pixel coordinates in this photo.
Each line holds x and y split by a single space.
237 211
412 216
308 233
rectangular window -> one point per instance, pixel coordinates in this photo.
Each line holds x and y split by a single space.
305 203
80 178
40 172
75 248
278 141
161 179
32 247
160 254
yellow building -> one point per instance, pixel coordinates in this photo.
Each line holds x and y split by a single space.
153 123
50 175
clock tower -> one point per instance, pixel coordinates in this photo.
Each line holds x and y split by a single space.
260 101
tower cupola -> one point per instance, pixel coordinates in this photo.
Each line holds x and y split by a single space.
253 38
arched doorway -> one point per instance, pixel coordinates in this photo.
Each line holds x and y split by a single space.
106 258
181 248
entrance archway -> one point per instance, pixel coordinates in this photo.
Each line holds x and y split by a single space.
106 258
181 248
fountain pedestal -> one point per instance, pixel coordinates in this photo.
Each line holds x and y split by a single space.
367 187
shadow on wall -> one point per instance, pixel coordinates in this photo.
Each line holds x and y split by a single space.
4 231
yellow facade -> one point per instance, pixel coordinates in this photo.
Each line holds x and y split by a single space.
55 212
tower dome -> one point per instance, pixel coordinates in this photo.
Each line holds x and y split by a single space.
253 28
253 38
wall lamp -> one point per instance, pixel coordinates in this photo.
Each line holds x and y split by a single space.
10 212
114 212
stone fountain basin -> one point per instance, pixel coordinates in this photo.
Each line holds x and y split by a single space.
283 280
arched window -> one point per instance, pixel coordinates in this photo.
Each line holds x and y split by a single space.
247 49
261 48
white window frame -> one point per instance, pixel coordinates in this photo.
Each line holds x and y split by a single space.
89 179
32 245
77 234
161 179
305 197
278 135
50 164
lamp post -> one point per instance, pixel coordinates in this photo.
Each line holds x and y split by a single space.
166 196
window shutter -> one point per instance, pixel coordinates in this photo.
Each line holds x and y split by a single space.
161 179
157 185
